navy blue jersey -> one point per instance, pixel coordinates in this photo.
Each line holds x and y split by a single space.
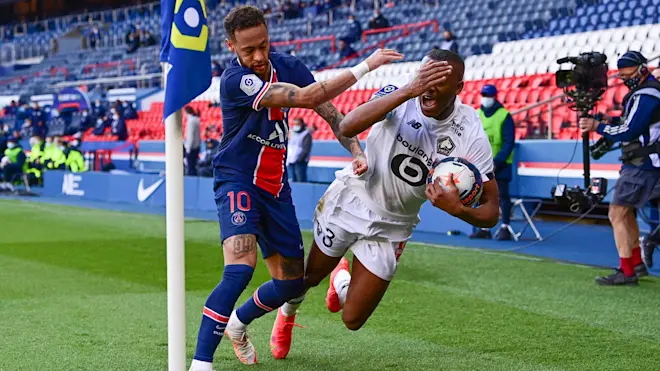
254 141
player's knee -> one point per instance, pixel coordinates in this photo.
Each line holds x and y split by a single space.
238 275
353 322
290 289
617 213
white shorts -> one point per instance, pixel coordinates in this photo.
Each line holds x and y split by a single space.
342 221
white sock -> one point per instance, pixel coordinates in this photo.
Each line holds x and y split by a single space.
341 283
198 365
235 323
289 308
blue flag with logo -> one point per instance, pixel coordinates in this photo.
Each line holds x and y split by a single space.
185 47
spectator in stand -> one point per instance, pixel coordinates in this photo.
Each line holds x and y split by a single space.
193 139
290 10
147 39
327 6
40 129
37 113
26 128
354 30
85 120
450 42
345 50
205 164
378 21
300 148
57 125
99 109
217 69
132 41
101 123
118 127
94 37
500 129
10 109
130 113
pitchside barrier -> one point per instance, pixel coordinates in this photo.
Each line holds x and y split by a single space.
539 165
149 190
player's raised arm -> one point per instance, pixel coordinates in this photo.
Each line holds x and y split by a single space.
363 117
280 95
333 117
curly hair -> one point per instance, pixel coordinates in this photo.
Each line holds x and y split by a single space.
242 18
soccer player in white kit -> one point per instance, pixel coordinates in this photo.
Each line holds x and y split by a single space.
414 124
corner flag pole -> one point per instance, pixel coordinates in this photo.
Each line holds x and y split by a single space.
186 58
176 280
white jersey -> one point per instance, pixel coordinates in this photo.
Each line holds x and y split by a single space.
402 149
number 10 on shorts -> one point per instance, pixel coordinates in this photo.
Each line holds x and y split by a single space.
239 201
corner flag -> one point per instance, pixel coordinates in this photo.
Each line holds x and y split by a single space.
185 47
187 74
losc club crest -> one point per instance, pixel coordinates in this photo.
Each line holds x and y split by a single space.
445 145
238 218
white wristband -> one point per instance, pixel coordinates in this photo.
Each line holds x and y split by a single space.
360 70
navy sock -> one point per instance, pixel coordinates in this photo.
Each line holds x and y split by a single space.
218 307
268 297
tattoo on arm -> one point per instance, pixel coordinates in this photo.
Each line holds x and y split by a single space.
280 95
330 114
292 267
242 245
325 92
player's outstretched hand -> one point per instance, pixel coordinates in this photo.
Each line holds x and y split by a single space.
360 165
381 57
445 198
433 73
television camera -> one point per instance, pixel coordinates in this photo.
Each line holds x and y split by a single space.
584 85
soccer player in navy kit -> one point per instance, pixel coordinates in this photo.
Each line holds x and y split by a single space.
251 189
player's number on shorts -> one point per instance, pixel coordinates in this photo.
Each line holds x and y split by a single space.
238 200
409 169
328 236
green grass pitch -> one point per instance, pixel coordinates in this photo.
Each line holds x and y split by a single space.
84 289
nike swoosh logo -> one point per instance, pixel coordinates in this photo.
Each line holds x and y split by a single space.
144 193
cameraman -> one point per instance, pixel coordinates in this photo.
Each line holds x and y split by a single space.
639 178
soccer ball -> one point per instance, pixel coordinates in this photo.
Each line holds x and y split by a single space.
466 177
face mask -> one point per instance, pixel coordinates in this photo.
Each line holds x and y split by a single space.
298 128
33 142
61 148
84 114
11 145
99 122
115 117
76 143
487 102
632 82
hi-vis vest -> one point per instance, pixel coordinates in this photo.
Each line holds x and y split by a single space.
12 154
493 128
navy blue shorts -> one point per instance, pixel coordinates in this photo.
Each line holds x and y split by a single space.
635 187
246 209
